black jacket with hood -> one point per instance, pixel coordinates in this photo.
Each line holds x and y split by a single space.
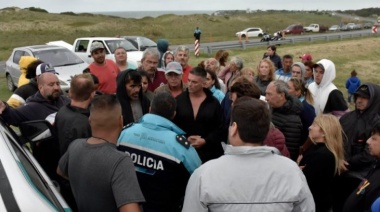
121 93
357 126
36 108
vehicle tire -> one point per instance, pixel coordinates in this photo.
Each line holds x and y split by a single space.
262 40
11 86
260 35
243 35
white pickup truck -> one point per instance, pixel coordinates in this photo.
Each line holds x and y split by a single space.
315 28
81 47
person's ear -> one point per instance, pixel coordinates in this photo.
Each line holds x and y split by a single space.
233 129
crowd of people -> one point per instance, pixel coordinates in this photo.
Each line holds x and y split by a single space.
219 136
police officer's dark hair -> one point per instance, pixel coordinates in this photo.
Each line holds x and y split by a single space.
252 117
163 105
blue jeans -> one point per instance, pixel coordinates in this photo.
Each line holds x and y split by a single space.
350 97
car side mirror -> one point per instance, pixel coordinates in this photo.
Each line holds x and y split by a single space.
36 131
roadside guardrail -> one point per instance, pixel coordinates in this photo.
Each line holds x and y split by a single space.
209 49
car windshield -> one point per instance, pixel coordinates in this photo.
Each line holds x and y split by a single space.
58 57
114 44
30 171
290 27
147 42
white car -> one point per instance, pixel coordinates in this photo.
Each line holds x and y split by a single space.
251 32
334 28
65 62
24 185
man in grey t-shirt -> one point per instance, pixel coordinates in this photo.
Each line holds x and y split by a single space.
102 178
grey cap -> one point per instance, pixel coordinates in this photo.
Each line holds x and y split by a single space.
96 45
173 67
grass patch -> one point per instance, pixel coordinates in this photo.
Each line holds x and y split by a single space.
80 24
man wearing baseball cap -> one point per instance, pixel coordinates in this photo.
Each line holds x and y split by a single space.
173 75
306 57
357 126
104 69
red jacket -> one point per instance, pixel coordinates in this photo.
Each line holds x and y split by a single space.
275 138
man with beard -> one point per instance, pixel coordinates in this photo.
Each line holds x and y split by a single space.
182 56
133 102
104 69
149 63
42 105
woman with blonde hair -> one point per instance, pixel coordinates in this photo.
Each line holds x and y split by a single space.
265 74
297 88
320 162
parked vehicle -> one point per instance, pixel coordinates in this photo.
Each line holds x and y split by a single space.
25 185
351 26
367 25
334 28
141 43
82 47
250 32
315 28
344 28
294 29
64 61
358 26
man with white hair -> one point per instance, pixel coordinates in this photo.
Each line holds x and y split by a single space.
182 56
149 63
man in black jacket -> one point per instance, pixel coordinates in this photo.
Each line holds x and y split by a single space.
133 102
71 121
273 56
357 126
368 190
41 106
285 115
199 114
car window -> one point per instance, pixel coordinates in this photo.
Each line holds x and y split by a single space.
133 41
30 171
17 55
58 57
147 42
114 44
81 46
253 30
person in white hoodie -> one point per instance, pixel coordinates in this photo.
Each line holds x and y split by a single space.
327 97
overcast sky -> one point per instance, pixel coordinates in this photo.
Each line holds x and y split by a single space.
56 6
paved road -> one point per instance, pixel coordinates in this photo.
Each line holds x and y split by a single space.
203 46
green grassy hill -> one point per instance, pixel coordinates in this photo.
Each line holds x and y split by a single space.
21 27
